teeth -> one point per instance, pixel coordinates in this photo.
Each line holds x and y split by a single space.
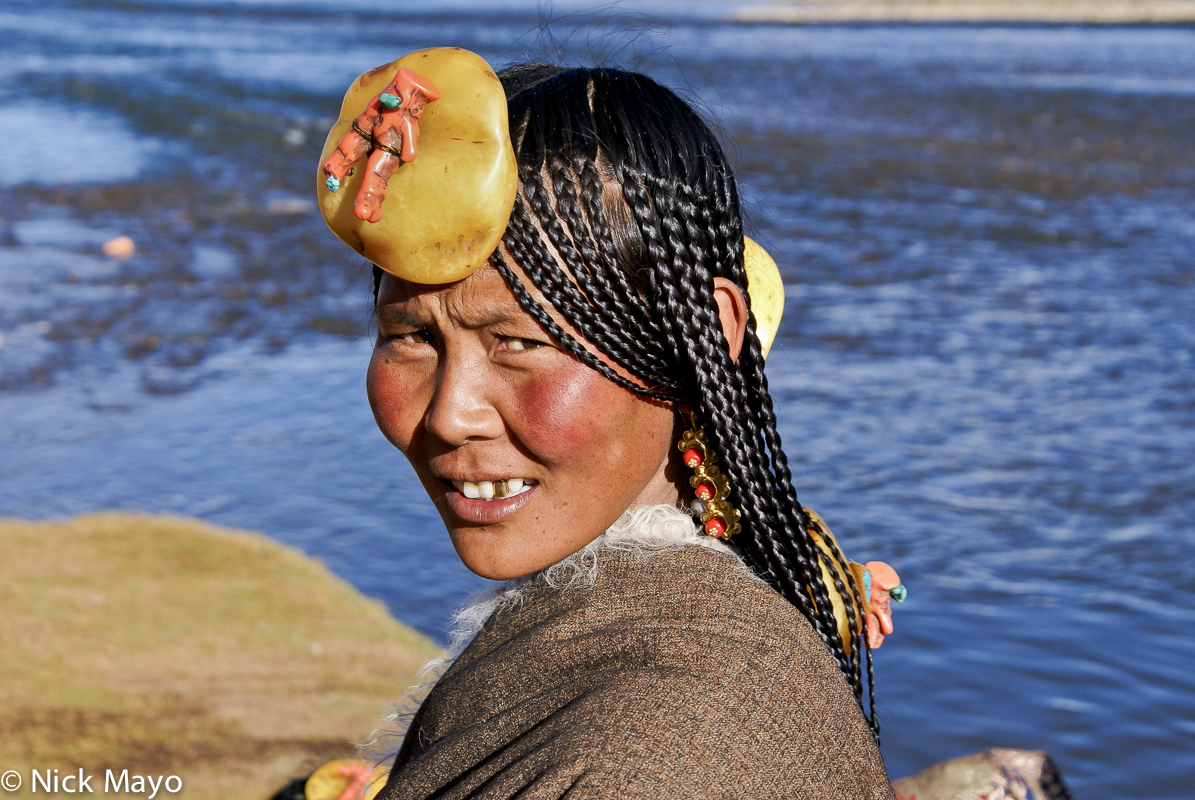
488 490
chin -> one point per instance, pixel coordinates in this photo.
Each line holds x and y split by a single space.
505 555
496 568
486 553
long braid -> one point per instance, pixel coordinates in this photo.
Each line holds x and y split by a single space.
637 283
572 345
698 336
602 282
614 339
783 474
723 395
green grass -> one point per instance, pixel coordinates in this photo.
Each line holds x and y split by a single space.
168 646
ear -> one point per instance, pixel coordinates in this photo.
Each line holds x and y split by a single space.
732 311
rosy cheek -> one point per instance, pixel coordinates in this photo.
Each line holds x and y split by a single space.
394 398
567 413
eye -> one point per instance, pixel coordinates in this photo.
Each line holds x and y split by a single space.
414 337
515 343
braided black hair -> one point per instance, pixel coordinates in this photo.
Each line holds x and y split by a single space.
632 191
630 188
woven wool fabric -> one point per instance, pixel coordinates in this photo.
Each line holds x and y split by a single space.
675 675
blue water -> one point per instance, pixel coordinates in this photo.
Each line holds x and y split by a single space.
985 376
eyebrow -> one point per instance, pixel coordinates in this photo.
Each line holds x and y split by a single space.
492 316
397 314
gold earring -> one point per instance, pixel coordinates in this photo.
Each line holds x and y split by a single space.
718 517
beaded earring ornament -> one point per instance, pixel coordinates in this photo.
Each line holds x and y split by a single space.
718 517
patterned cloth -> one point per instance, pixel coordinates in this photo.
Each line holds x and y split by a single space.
674 673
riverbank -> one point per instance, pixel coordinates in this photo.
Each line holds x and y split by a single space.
1083 12
167 646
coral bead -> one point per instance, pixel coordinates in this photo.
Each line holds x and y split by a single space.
715 527
693 458
706 492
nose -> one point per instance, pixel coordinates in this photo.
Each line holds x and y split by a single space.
462 408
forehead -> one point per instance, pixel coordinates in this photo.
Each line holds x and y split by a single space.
480 300
483 298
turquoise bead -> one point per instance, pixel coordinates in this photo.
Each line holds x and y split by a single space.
333 183
390 100
899 593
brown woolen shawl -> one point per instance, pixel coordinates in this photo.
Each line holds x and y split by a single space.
676 674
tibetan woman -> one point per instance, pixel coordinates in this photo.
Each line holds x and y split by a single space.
571 330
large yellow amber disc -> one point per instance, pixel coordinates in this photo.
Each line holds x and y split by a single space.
766 288
444 212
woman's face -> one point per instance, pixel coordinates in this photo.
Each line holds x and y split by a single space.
480 399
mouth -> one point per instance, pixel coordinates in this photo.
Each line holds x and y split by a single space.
488 502
494 490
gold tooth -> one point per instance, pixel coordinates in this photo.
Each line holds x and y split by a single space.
501 488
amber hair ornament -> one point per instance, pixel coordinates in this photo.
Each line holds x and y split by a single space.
418 175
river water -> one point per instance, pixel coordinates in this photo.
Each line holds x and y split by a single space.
986 373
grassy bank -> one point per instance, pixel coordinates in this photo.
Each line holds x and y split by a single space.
167 646
1092 12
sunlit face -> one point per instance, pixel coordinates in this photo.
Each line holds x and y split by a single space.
474 392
